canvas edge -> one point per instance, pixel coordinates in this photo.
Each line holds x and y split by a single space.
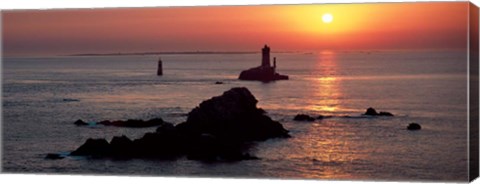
473 91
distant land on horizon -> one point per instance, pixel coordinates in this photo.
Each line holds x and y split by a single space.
326 51
253 52
179 52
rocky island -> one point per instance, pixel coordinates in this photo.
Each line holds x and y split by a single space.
219 129
265 72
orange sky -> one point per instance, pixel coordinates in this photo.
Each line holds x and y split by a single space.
237 28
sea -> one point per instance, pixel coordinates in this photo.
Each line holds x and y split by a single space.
43 96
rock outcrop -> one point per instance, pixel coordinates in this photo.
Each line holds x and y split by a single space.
221 128
80 123
122 146
372 112
94 147
264 74
303 117
233 115
133 123
414 126
320 117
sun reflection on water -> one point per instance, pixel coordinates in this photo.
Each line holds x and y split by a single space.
328 145
326 85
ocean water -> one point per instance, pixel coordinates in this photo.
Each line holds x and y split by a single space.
426 87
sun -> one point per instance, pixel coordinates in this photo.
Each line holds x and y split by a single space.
327 18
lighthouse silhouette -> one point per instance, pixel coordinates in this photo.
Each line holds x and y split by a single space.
265 56
265 72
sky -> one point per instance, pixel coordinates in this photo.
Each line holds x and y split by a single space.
374 26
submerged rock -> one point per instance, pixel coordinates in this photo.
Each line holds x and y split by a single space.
70 100
54 156
80 122
372 112
320 117
385 114
303 117
132 123
414 126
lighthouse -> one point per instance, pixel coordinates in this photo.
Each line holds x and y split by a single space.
265 57
265 72
160 67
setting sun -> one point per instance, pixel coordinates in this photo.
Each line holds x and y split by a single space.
327 18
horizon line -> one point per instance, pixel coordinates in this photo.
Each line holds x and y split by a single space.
206 52
247 52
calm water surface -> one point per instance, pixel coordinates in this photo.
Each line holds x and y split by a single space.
427 87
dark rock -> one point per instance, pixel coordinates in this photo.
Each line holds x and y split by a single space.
219 129
207 147
105 122
133 123
372 112
94 147
80 122
232 116
122 141
164 143
166 128
54 156
265 74
385 114
247 156
414 126
128 123
160 146
204 147
303 117
323 117
70 100
218 82
154 122
122 146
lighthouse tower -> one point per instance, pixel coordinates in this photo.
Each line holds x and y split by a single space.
266 56
160 67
